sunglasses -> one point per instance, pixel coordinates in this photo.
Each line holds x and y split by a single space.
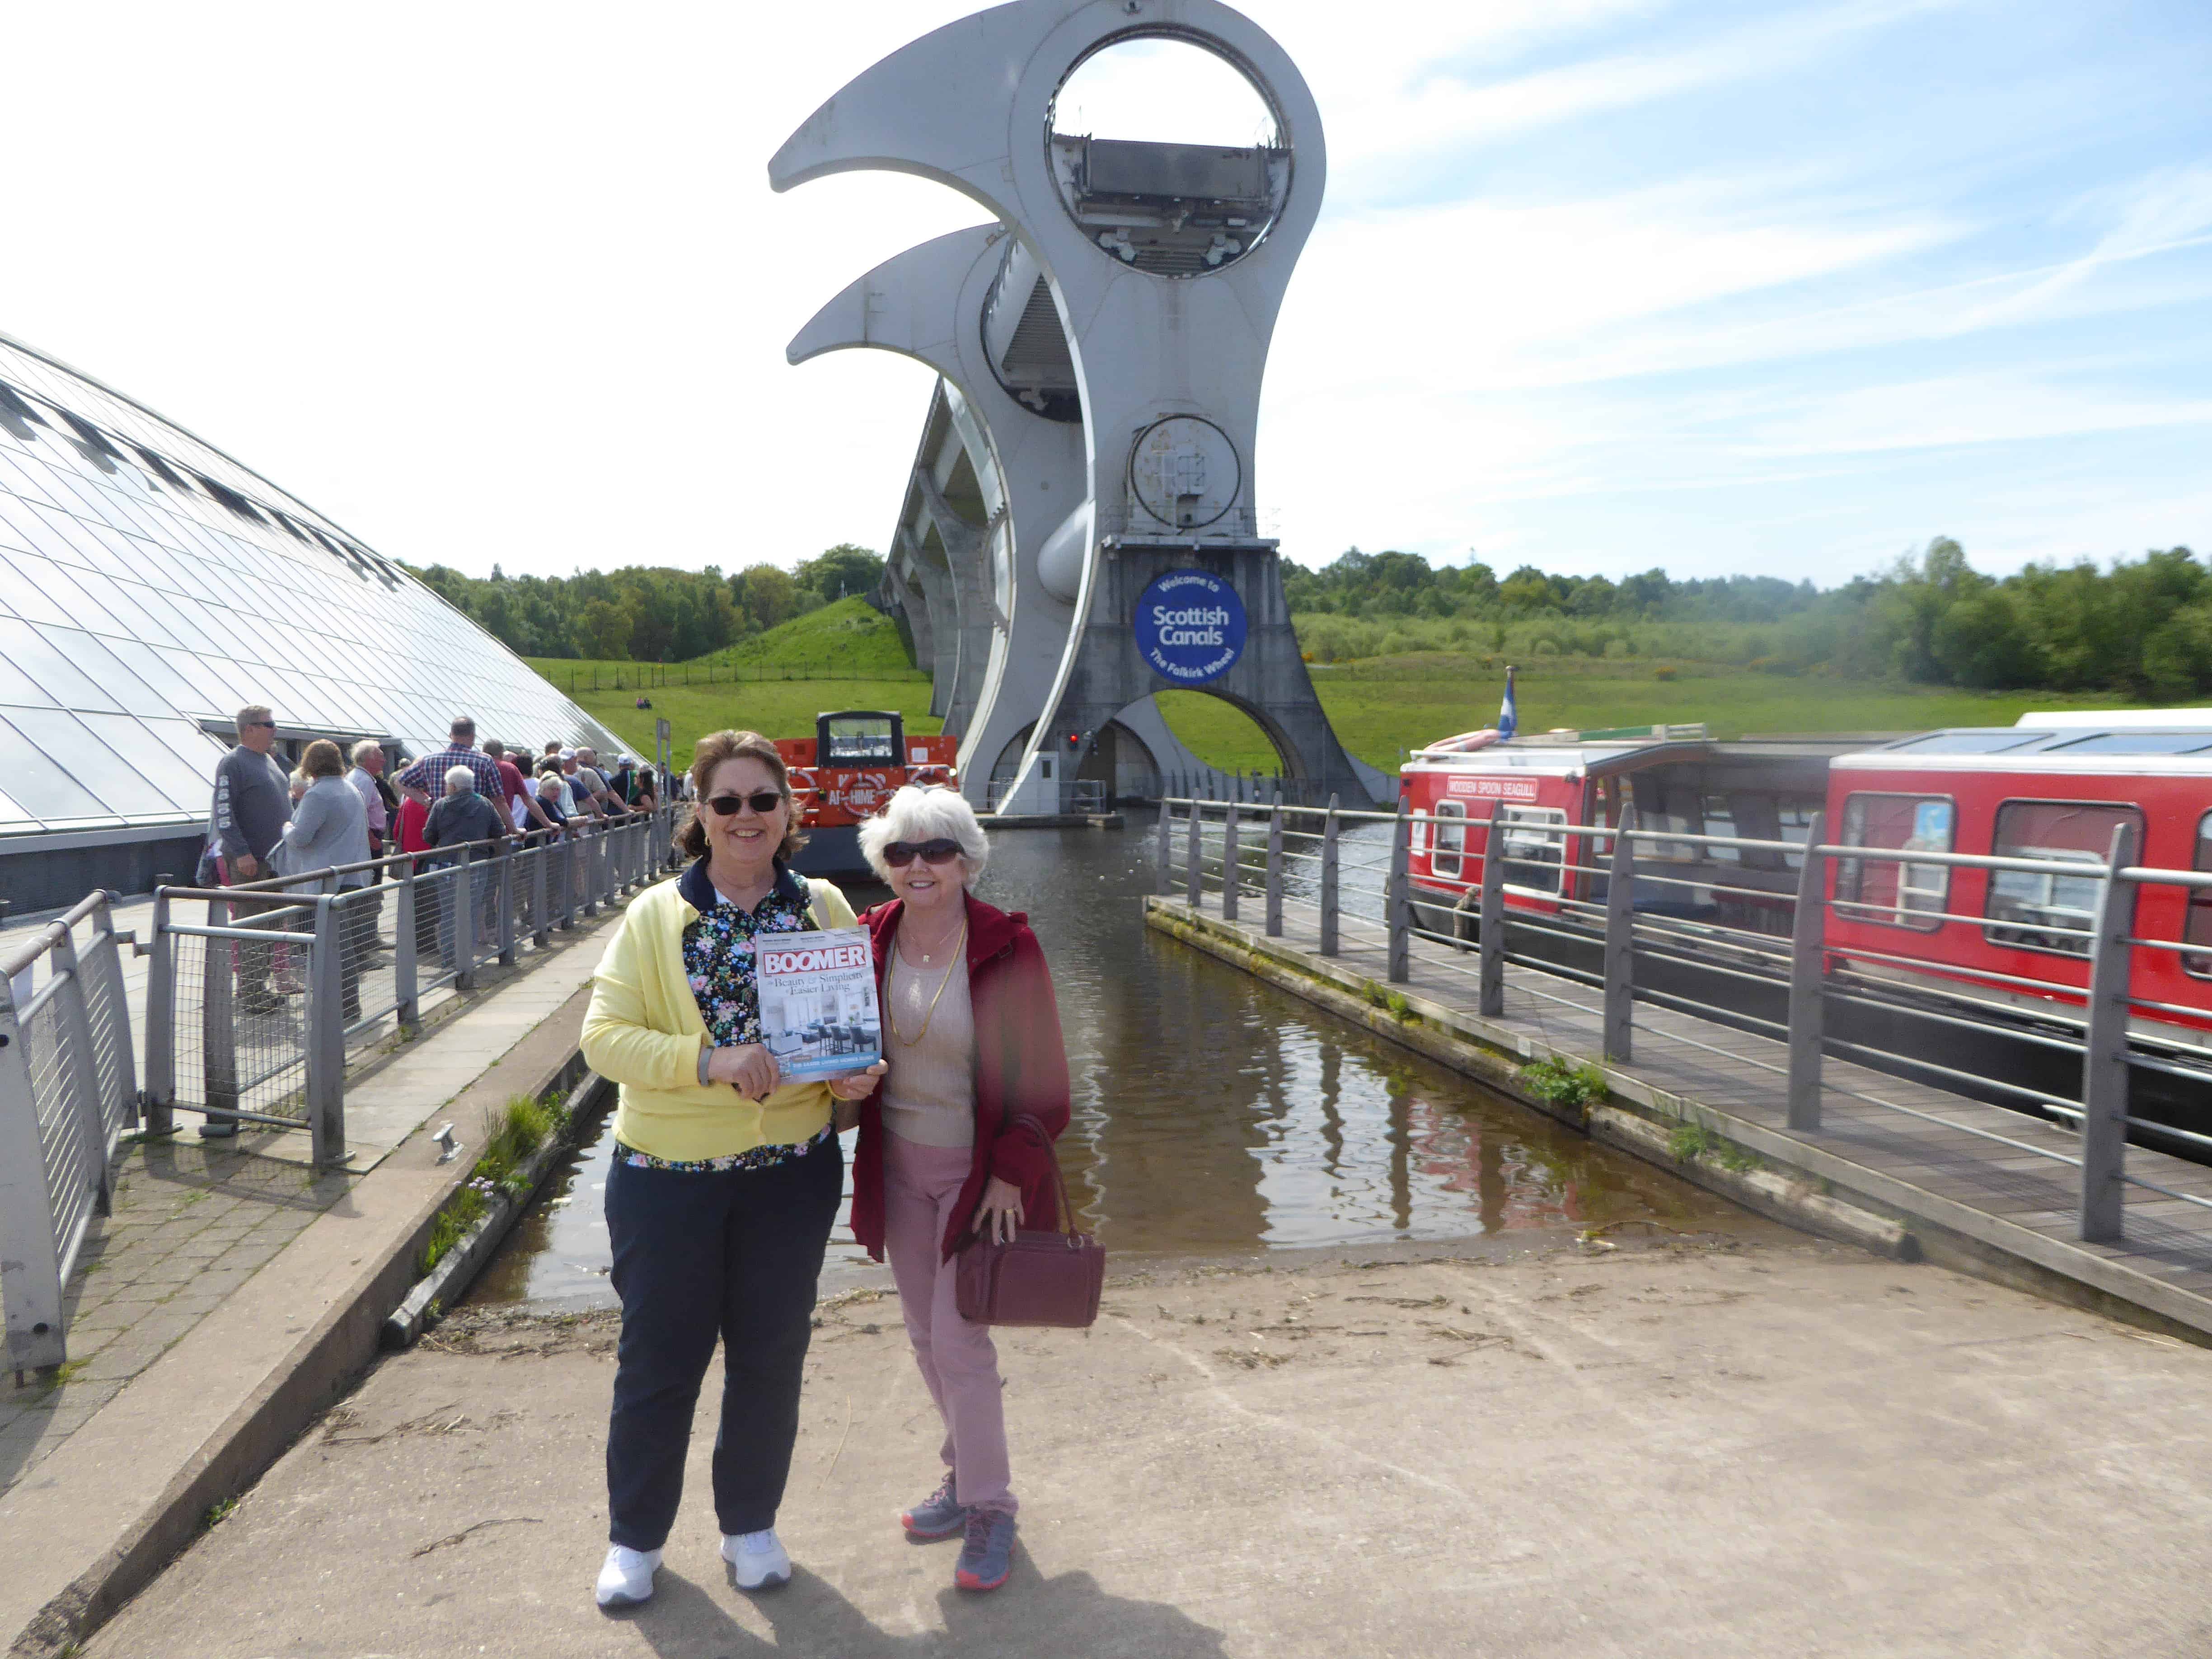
271 724
762 801
899 853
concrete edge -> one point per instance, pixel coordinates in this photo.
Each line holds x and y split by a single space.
398 1199
1944 1231
452 1277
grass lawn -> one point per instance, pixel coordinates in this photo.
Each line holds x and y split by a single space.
778 708
1386 705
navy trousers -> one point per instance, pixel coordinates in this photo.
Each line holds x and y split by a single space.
698 1255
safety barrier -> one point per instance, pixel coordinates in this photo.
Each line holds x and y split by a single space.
251 1009
68 1091
1353 867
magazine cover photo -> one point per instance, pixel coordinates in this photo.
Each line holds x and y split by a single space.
818 1002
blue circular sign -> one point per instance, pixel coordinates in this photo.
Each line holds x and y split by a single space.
1190 627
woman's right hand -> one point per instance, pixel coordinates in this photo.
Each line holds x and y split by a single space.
748 1068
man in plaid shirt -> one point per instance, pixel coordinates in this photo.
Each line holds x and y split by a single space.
429 774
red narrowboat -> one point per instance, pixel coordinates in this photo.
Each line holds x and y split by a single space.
845 772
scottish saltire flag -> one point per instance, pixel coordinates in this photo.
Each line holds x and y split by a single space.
1509 717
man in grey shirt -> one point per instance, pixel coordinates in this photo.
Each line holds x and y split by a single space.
245 823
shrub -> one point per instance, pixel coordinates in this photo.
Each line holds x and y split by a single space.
1664 673
1554 1080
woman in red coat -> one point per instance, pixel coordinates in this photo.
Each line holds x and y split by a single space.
956 1137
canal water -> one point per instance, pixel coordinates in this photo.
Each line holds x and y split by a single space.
1213 1115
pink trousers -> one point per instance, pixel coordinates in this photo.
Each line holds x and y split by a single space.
957 1357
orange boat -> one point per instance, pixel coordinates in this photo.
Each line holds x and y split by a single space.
845 774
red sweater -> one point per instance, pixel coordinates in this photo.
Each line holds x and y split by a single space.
1021 1068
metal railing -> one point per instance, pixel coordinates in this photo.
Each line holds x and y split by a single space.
69 1089
1658 899
250 1012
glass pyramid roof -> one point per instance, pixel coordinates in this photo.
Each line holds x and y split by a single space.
150 586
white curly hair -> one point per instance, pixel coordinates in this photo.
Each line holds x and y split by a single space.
914 815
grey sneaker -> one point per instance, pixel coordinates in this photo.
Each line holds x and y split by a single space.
937 1515
988 1554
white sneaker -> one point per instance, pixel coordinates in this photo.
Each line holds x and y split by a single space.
756 1560
626 1576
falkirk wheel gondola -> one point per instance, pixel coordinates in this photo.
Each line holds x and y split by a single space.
1133 285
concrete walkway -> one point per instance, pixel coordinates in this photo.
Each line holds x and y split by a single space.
1680 1452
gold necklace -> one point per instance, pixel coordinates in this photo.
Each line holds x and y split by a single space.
892 1011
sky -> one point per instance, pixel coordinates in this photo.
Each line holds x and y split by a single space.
1780 288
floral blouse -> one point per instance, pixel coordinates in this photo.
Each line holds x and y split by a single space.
718 960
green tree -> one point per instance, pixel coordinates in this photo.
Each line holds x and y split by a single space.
767 594
839 573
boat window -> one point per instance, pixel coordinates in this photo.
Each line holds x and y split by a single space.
2138 743
2199 928
1884 890
1417 831
1535 848
860 740
2040 910
1969 743
1452 838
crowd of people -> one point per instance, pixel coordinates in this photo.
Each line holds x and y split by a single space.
337 810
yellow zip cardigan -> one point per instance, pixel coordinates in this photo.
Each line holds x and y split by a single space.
644 1031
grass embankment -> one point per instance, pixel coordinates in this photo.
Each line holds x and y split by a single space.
513 1135
1387 704
845 655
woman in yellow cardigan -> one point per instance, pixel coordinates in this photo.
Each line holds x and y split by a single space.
726 1178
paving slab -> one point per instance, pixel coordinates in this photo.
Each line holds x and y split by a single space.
1682 1452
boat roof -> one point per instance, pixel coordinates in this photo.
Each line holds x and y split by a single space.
1555 757
2137 741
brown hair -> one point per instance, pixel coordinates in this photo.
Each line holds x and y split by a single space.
713 750
324 759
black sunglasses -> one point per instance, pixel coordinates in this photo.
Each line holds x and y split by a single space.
899 853
762 801
271 724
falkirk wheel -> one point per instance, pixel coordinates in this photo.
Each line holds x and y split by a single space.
1162 267
990 617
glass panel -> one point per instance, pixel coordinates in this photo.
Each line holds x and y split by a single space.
2049 910
12 813
2199 928
2138 742
33 776
29 581
93 763
92 657
28 650
175 692
163 751
1970 743
858 740
1452 838
1535 846
1895 895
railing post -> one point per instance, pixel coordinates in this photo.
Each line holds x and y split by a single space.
1808 1002
463 895
79 1080
160 1104
326 1036
589 846
30 1265
1276 867
540 927
1328 882
2105 1058
1490 918
1620 942
1398 910
505 861
1163 857
1193 876
221 963
572 877
406 966
1229 864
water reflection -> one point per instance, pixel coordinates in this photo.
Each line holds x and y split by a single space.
1214 1113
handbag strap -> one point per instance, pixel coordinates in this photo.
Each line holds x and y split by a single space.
1034 1127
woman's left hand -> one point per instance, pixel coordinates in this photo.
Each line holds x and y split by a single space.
999 1214
857 1085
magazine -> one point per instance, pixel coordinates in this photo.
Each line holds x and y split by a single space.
817 1001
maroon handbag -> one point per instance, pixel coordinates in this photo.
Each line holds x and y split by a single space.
1036 1279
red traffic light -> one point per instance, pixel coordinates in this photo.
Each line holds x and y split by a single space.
1073 739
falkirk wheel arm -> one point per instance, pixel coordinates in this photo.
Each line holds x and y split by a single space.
927 303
